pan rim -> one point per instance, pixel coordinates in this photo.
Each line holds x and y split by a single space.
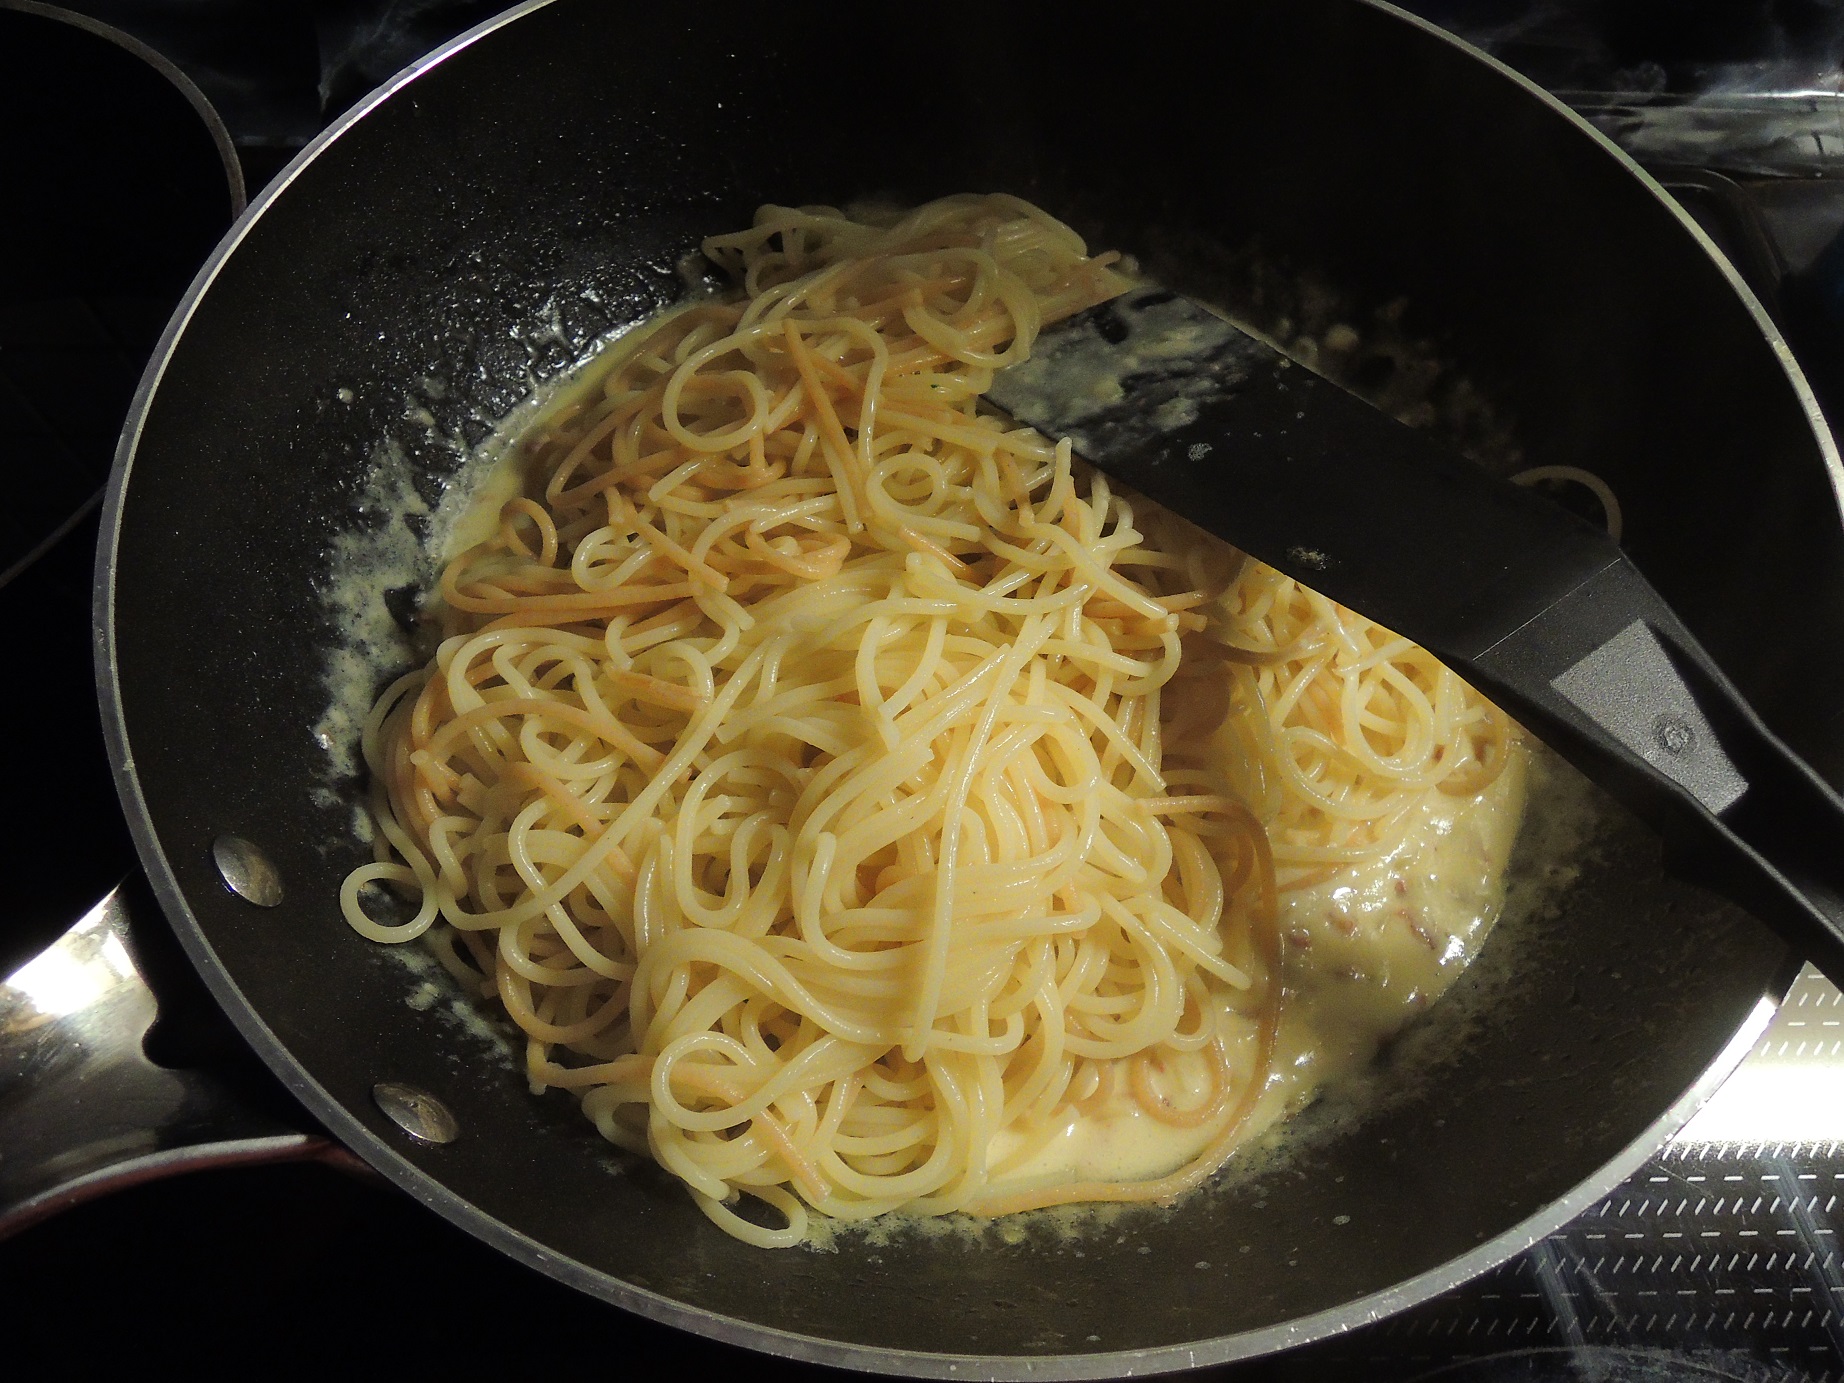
187 88
428 1189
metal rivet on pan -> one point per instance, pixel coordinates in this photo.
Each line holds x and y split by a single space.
1675 734
246 871
416 1112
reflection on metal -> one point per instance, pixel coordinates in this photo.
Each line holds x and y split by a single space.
1723 1246
1757 134
247 871
84 967
416 1112
85 1109
1791 1087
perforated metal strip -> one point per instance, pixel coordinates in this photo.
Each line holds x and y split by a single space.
1724 1250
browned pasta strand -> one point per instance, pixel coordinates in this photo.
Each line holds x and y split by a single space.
845 794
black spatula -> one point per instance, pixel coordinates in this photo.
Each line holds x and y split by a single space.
1539 610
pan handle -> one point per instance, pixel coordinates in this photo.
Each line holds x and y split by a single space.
85 1110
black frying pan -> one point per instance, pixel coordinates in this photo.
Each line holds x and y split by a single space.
482 223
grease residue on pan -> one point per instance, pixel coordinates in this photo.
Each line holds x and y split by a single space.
373 591
1565 824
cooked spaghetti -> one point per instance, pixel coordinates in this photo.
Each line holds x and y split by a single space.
848 795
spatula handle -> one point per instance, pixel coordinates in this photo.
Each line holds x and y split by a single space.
1540 611
1611 678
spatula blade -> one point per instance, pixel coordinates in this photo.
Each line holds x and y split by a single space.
1537 609
1165 395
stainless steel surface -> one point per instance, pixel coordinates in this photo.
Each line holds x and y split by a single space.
247 871
1789 1093
1755 134
416 1112
1724 1247
86 1109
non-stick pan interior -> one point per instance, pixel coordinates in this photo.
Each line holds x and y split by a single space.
476 230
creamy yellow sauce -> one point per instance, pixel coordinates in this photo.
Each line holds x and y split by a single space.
1364 952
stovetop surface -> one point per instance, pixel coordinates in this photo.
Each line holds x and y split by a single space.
1722 1252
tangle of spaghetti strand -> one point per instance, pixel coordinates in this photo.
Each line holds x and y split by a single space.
838 786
